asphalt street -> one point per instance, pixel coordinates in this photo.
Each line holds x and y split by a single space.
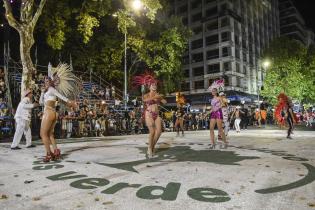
261 169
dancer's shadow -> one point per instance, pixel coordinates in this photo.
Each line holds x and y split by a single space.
183 154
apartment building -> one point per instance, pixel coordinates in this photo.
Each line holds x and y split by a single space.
228 39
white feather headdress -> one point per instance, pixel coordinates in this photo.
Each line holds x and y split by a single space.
66 83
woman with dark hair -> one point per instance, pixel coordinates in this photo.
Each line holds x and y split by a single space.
290 119
216 118
67 83
152 119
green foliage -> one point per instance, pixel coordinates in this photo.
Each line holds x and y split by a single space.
86 25
290 72
88 30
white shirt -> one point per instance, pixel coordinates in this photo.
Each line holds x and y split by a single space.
51 95
24 109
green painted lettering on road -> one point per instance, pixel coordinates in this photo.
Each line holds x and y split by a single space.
89 183
295 158
64 176
208 195
119 186
168 193
47 167
309 178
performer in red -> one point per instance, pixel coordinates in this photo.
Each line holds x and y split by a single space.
151 101
285 104
61 83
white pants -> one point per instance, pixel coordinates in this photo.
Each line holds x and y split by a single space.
69 129
226 127
22 126
237 124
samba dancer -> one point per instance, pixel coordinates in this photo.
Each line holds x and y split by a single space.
216 115
63 84
151 101
285 104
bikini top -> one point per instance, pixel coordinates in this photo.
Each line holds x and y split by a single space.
51 95
151 102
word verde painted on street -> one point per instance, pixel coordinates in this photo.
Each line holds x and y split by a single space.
170 191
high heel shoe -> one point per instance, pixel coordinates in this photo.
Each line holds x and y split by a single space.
212 146
57 154
149 153
48 157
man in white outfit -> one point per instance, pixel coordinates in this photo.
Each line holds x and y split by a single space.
23 118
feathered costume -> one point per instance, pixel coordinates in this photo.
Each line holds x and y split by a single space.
218 84
145 79
66 83
180 100
283 101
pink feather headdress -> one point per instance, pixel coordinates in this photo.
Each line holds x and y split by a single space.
218 84
145 79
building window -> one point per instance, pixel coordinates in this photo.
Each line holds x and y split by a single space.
237 40
225 36
213 54
185 86
227 66
223 7
214 68
212 25
198 57
186 59
211 1
225 22
196 4
199 84
214 39
244 56
197 30
183 9
185 21
186 73
237 67
226 51
196 17
212 11
198 71
237 53
196 44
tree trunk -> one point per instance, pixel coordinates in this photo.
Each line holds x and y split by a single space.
25 26
26 43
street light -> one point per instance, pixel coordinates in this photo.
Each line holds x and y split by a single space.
265 64
136 5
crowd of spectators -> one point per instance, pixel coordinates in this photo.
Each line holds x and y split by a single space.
6 126
105 115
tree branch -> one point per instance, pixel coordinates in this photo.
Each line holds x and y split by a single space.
38 12
9 15
26 11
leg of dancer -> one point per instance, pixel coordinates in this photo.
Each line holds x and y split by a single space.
221 131
45 130
212 125
53 140
177 126
181 123
157 132
151 126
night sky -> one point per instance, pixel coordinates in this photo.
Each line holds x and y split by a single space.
307 11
